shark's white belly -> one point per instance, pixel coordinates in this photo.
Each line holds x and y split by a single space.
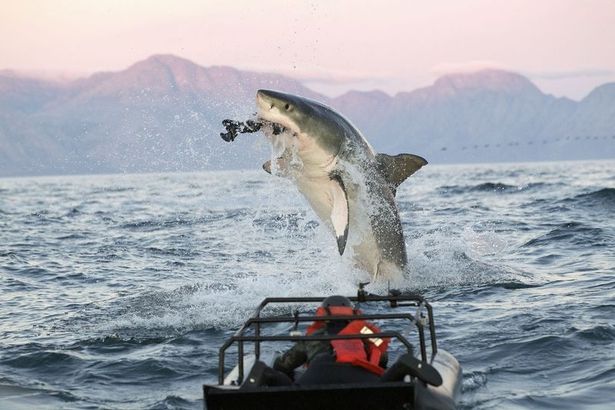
317 190
365 250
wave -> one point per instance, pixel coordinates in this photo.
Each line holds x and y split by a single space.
473 381
31 394
575 233
173 251
138 371
553 346
107 189
172 402
450 262
494 187
53 361
151 225
602 198
598 334
73 236
115 343
290 223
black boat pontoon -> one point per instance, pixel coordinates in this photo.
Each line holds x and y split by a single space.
430 381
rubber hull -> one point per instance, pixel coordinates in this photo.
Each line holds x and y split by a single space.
390 396
374 396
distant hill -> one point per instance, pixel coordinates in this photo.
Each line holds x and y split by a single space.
164 114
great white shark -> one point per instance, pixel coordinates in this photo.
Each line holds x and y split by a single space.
350 187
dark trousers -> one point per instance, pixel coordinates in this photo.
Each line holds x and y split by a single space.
324 369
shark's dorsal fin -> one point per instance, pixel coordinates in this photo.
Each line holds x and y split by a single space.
339 212
399 167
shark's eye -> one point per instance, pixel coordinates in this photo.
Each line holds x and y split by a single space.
288 107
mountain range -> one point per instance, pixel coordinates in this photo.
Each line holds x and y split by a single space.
164 114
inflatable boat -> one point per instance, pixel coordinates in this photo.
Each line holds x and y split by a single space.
429 378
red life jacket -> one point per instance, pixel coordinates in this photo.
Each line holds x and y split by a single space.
365 353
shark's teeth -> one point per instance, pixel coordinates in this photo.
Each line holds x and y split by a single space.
277 129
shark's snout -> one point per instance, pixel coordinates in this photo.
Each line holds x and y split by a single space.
261 94
268 95
264 102
272 98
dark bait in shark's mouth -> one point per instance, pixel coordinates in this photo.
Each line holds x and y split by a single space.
234 128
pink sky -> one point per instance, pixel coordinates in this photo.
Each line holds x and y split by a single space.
566 46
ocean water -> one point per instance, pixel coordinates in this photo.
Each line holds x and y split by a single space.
116 291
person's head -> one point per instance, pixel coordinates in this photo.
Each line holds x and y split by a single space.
336 300
336 305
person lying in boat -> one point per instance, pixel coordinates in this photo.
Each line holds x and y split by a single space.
336 361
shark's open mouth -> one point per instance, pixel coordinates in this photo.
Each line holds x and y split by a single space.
234 128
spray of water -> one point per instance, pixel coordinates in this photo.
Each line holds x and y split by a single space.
274 245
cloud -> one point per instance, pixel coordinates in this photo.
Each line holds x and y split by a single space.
60 76
467 66
571 74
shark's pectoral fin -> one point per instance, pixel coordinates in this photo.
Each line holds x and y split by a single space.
399 167
281 167
339 212
267 166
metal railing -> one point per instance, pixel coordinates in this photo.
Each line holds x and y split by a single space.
255 322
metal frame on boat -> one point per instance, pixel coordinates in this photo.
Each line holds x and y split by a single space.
409 393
